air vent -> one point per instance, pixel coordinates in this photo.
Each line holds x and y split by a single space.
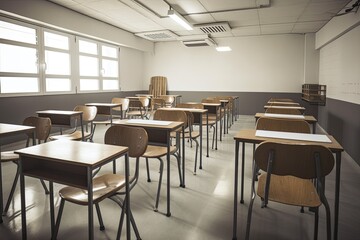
199 43
158 36
213 28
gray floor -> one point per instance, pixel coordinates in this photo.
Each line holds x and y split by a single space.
203 210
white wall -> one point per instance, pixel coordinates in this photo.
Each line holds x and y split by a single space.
272 63
131 69
340 67
311 60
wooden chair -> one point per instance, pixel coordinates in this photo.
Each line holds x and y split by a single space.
283 125
42 131
157 103
110 185
138 108
169 100
89 114
156 151
289 169
212 118
120 110
283 111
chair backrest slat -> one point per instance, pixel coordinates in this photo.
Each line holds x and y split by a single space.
283 125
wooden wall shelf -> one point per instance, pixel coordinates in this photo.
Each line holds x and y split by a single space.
314 93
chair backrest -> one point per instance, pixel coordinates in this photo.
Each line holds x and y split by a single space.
283 125
89 112
281 100
124 103
190 105
42 127
171 115
169 100
283 111
297 160
135 138
289 104
158 103
211 100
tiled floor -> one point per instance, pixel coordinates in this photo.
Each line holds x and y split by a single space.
201 211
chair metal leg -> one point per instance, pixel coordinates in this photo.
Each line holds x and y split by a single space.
44 186
316 224
147 170
120 223
196 155
98 212
251 203
58 220
12 190
179 169
159 185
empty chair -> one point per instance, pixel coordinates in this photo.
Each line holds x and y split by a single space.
156 151
110 185
283 111
138 108
42 131
157 103
120 112
289 169
88 116
169 100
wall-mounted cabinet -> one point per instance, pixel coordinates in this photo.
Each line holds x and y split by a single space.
314 93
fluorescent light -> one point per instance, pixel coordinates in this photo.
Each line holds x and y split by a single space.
179 19
223 49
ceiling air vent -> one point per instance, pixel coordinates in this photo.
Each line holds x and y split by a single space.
213 28
158 36
199 43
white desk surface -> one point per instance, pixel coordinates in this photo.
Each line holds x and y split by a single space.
276 115
149 122
293 136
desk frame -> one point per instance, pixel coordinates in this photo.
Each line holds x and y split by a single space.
106 109
9 130
42 162
248 136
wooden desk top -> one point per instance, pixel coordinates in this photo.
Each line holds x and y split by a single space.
74 152
248 136
211 104
59 112
110 105
8 129
193 110
307 118
285 103
149 124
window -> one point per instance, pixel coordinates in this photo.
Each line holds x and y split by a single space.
35 60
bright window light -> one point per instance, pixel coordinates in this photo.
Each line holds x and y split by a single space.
223 49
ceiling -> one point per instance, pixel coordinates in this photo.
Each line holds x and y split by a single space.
244 17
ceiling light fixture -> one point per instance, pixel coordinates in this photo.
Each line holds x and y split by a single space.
179 19
223 49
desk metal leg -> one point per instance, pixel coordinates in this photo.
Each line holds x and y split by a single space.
23 207
236 188
216 129
337 195
168 213
52 211
127 198
201 134
183 157
242 172
207 133
82 128
90 205
314 128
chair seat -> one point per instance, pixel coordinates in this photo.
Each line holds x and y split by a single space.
303 191
77 135
157 151
103 186
9 156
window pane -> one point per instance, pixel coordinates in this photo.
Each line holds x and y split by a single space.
89 66
18 33
89 84
87 47
56 40
58 84
109 51
110 85
109 68
57 63
19 85
18 59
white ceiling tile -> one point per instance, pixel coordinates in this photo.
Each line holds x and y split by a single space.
238 18
307 27
246 31
276 28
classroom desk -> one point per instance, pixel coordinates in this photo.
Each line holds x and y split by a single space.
105 109
224 104
5 131
248 136
284 103
62 118
309 119
69 163
159 134
176 98
198 114
213 108
301 109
